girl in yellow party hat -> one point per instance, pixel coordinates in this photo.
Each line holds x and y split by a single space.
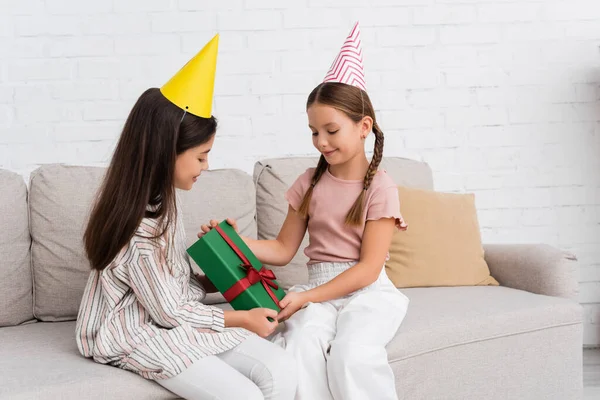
142 308
339 324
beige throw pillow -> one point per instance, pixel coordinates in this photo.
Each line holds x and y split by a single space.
442 246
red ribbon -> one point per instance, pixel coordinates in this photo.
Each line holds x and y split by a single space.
253 276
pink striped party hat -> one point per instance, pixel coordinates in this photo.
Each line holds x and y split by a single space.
348 65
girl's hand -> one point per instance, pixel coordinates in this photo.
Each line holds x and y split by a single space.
258 323
291 303
213 222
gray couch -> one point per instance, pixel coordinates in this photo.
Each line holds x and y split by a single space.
522 340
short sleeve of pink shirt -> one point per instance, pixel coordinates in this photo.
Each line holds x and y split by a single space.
295 193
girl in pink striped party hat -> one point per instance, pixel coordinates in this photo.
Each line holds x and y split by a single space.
338 325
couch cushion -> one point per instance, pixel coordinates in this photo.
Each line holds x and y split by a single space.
60 200
15 271
442 246
444 317
41 361
273 177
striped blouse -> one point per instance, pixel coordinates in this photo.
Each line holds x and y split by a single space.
144 311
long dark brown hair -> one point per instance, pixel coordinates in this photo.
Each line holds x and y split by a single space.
355 103
141 174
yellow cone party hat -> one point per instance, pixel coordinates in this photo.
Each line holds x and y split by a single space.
191 88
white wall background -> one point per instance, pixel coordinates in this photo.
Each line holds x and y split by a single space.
501 97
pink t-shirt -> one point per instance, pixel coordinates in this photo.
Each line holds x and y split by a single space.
330 239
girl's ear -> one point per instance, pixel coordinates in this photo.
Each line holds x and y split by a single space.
366 126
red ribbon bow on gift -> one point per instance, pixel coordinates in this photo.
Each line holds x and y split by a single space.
253 276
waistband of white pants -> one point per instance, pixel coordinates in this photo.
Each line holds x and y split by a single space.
320 273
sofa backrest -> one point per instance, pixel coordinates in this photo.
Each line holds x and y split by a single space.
60 201
273 177
15 271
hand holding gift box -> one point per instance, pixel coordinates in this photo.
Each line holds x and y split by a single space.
235 271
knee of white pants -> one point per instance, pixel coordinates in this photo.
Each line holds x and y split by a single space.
279 375
347 355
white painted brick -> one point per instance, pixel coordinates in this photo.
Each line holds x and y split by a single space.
233 85
510 12
85 90
530 113
318 18
582 30
475 116
116 24
401 36
147 44
469 34
195 5
389 100
498 136
411 119
278 40
305 61
326 3
589 292
229 42
101 67
567 10
68 7
292 83
444 15
253 63
235 126
433 139
448 181
411 79
6 115
106 111
51 25
9 7
567 52
587 92
7 94
52 112
83 131
136 6
447 56
480 77
519 32
501 218
394 59
294 102
7 27
184 22
440 159
276 4
379 16
81 46
249 20
439 98
20 48
518 235
23 71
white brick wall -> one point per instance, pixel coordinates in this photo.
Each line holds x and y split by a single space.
501 97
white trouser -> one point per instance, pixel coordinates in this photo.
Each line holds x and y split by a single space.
255 369
339 345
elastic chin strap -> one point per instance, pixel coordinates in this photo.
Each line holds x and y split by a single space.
183 116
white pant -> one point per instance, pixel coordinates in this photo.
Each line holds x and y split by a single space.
339 345
256 369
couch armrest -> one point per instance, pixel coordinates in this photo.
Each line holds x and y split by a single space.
536 268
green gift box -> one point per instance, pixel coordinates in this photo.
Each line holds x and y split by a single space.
235 271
